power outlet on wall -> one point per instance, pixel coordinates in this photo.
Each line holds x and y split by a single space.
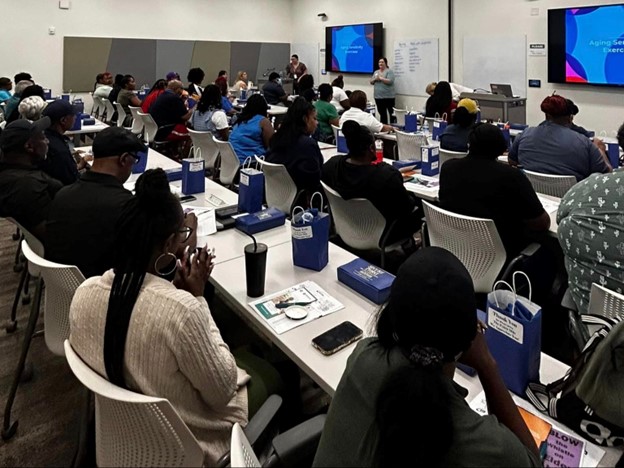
534 11
64 4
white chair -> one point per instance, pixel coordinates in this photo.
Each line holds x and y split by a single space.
474 241
336 132
121 116
230 163
98 107
208 148
359 224
280 190
445 155
603 301
150 128
400 116
409 144
132 429
61 282
548 184
241 452
110 110
137 121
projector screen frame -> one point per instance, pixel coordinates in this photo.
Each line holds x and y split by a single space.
378 45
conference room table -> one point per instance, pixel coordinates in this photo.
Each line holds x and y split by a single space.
86 129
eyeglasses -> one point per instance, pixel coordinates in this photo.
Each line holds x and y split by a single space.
136 157
186 232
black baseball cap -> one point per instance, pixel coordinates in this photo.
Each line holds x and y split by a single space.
58 109
17 133
114 141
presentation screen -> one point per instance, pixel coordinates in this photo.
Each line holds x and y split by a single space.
586 45
353 48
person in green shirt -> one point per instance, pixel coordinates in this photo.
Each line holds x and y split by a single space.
326 113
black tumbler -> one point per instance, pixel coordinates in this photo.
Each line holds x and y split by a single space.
255 269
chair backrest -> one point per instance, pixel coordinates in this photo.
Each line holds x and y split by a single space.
445 155
208 148
336 130
132 429
358 223
230 163
121 114
409 144
279 187
35 245
474 241
98 106
548 184
400 116
110 109
603 301
61 282
137 121
150 127
241 452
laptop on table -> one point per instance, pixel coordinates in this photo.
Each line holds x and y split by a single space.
501 89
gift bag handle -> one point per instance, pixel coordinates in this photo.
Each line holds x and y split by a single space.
312 200
513 282
197 153
247 162
444 116
603 133
294 211
513 290
436 115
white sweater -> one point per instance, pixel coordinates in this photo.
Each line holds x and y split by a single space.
174 350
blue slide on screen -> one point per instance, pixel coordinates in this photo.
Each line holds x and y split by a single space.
352 48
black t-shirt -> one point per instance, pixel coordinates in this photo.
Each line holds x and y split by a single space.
382 184
81 224
303 161
60 163
489 189
26 193
167 110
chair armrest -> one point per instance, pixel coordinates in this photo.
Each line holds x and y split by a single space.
384 238
528 251
263 418
297 446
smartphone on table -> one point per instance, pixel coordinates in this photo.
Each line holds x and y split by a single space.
337 338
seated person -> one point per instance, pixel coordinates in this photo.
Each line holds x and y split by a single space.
226 105
172 76
103 85
12 103
85 213
26 192
441 102
553 148
6 85
479 186
455 136
353 176
195 77
31 108
112 96
170 113
306 88
157 89
141 331
593 206
273 91
208 115
32 90
61 163
573 111
326 114
252 131
397 400
126 97
293 146
340 100
358 113
241 81
456 90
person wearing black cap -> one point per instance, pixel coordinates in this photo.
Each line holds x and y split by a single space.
478 185
82 217
553 148
25 191
61 163
397 403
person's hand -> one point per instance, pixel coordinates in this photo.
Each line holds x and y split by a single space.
190 220
478 356
194 270
598 143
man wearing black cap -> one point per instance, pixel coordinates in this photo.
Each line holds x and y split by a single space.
82 219
61 163
25 191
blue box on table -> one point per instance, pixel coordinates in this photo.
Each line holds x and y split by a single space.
430 157
260 221
341 143
411 122
174 174
370 281
193 177
613 152
47 93
406 163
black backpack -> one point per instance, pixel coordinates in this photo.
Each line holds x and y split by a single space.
590 398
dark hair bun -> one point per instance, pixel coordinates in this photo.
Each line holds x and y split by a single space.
351 129
152 186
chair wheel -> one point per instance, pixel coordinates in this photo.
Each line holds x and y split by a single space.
18 267
26 299
10 432
28 372
15 236
11 326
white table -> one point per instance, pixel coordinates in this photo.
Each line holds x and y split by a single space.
98 127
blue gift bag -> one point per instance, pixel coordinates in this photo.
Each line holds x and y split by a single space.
438 128
613 152
250 189
193 179
310 236
141 164
411 122
430 160
77 123
47 93
507 136
341 143
514 336
78 106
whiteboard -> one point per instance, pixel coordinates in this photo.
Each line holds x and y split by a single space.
415 65
308 54
495 59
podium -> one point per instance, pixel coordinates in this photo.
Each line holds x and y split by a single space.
495 107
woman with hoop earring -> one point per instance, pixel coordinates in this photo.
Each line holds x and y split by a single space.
145 325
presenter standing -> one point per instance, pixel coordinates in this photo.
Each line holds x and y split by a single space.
295 70
383 80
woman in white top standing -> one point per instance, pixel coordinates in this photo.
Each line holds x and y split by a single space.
383 80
